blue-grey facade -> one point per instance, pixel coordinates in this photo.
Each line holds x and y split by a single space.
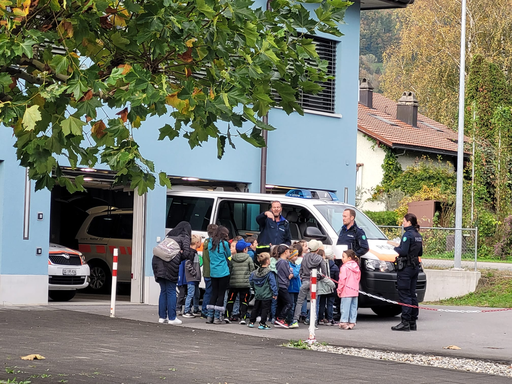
311 151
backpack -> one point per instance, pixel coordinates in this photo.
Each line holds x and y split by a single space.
167 249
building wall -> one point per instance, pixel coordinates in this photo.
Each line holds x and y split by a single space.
312 151
372 158
23 273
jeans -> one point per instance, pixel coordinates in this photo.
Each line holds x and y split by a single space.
167 300
191 299
273 308
294 296
326 307
348 310
207 294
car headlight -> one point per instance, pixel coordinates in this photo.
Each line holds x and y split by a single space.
379 265
82 257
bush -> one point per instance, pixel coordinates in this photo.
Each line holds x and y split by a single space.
383 217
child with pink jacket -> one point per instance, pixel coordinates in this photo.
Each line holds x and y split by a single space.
348 289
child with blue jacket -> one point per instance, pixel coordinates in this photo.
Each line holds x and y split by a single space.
294 287
263 282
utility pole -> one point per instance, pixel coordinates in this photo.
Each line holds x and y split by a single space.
460 146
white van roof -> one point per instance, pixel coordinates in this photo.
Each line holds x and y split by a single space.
252 196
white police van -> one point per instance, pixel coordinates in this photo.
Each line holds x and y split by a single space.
310 217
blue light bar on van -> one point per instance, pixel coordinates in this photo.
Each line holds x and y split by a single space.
312 194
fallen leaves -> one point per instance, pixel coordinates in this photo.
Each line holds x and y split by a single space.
452 347
34 356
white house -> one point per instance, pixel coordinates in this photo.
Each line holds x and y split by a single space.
383 123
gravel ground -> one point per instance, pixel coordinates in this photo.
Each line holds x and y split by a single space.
468 365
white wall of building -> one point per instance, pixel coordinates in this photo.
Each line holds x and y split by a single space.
370 173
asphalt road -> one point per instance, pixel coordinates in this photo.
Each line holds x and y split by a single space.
81 346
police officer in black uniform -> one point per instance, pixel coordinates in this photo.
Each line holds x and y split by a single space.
351 235
408 266
354 238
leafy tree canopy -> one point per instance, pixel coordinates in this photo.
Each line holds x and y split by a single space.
199 61
426 59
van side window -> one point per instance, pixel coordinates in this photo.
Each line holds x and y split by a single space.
300 218
113 226
101 226
240 216
197 211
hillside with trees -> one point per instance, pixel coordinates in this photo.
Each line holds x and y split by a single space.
424 57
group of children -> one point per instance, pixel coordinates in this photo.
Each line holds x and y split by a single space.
280 280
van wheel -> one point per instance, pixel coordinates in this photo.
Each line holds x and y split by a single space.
387 310
101 279
61 295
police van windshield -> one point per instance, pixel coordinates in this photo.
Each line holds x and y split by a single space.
333 213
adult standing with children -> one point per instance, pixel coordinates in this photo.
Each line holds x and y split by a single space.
408 266
351 235
166 273
219 252
274 228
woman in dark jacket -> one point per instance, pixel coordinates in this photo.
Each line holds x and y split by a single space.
166 273
408 265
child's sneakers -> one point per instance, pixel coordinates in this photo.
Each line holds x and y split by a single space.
281 323
242 322
176 321
188 315
161 321
251 325
264 327
294 324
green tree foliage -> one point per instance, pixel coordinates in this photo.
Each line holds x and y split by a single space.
423 173
199 61
488 121
383 217
426 59
379 30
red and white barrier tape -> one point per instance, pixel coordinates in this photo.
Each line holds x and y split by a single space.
427 308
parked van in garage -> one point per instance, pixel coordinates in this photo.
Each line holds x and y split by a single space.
308 217
103 230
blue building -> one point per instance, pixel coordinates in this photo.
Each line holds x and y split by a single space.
317 151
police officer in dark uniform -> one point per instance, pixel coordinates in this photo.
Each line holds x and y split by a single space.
408 266
351 235
274 228
354 238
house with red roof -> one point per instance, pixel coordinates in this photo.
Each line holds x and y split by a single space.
383 123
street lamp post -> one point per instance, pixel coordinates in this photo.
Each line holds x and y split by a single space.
460 146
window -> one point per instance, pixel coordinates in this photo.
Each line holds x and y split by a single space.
197 211
324 100
239 217
113 226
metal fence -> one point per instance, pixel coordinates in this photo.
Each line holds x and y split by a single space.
439 245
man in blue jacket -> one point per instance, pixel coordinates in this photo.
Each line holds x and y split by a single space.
274 228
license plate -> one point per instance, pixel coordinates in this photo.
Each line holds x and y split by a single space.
69 272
